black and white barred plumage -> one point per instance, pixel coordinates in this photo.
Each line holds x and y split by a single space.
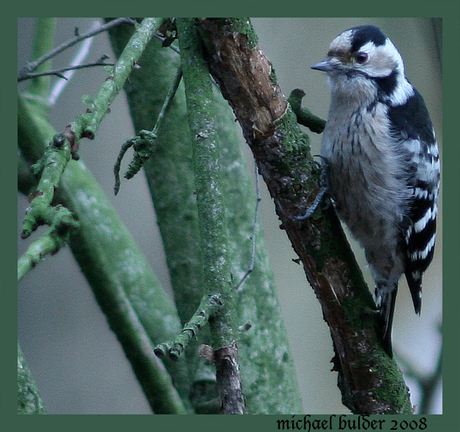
383 162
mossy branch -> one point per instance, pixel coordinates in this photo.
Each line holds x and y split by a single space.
40 211
247 80
49 243
208 308
137 308
143 143
215 249
304 116
86 125
171 181
29 399
64 146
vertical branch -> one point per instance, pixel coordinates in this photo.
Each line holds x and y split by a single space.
212 216
43 43
171 181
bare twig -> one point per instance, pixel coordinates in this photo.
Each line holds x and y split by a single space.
60 72
254 232
78 59
30 67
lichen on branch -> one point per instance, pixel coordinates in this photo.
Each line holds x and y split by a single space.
65 145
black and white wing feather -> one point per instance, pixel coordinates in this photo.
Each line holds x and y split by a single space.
411 125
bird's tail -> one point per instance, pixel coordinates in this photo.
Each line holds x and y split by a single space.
386 302
414 280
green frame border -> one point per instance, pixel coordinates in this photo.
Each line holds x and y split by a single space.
448 10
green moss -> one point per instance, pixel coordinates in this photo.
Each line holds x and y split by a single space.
29 400
294 140
242 26
392 386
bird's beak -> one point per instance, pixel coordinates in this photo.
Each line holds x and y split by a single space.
324 66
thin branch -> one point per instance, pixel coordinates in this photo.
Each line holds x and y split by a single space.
208 308
40 211
254 232
304 116
87 124
30 67
143 143
60 72
49 243
78 59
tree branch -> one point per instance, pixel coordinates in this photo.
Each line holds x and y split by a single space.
60 72
138 310
171 181
304 116
248 82
29 399
65 145
215 248
208 308
49 243
86 125
31 67
144 142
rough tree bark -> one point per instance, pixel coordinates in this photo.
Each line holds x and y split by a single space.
371 382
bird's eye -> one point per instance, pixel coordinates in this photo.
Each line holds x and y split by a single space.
361 57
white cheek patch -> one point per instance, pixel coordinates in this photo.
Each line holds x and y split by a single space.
383 59
382 62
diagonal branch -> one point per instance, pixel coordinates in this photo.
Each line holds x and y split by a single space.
60 72
137 308
248 82
65 145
